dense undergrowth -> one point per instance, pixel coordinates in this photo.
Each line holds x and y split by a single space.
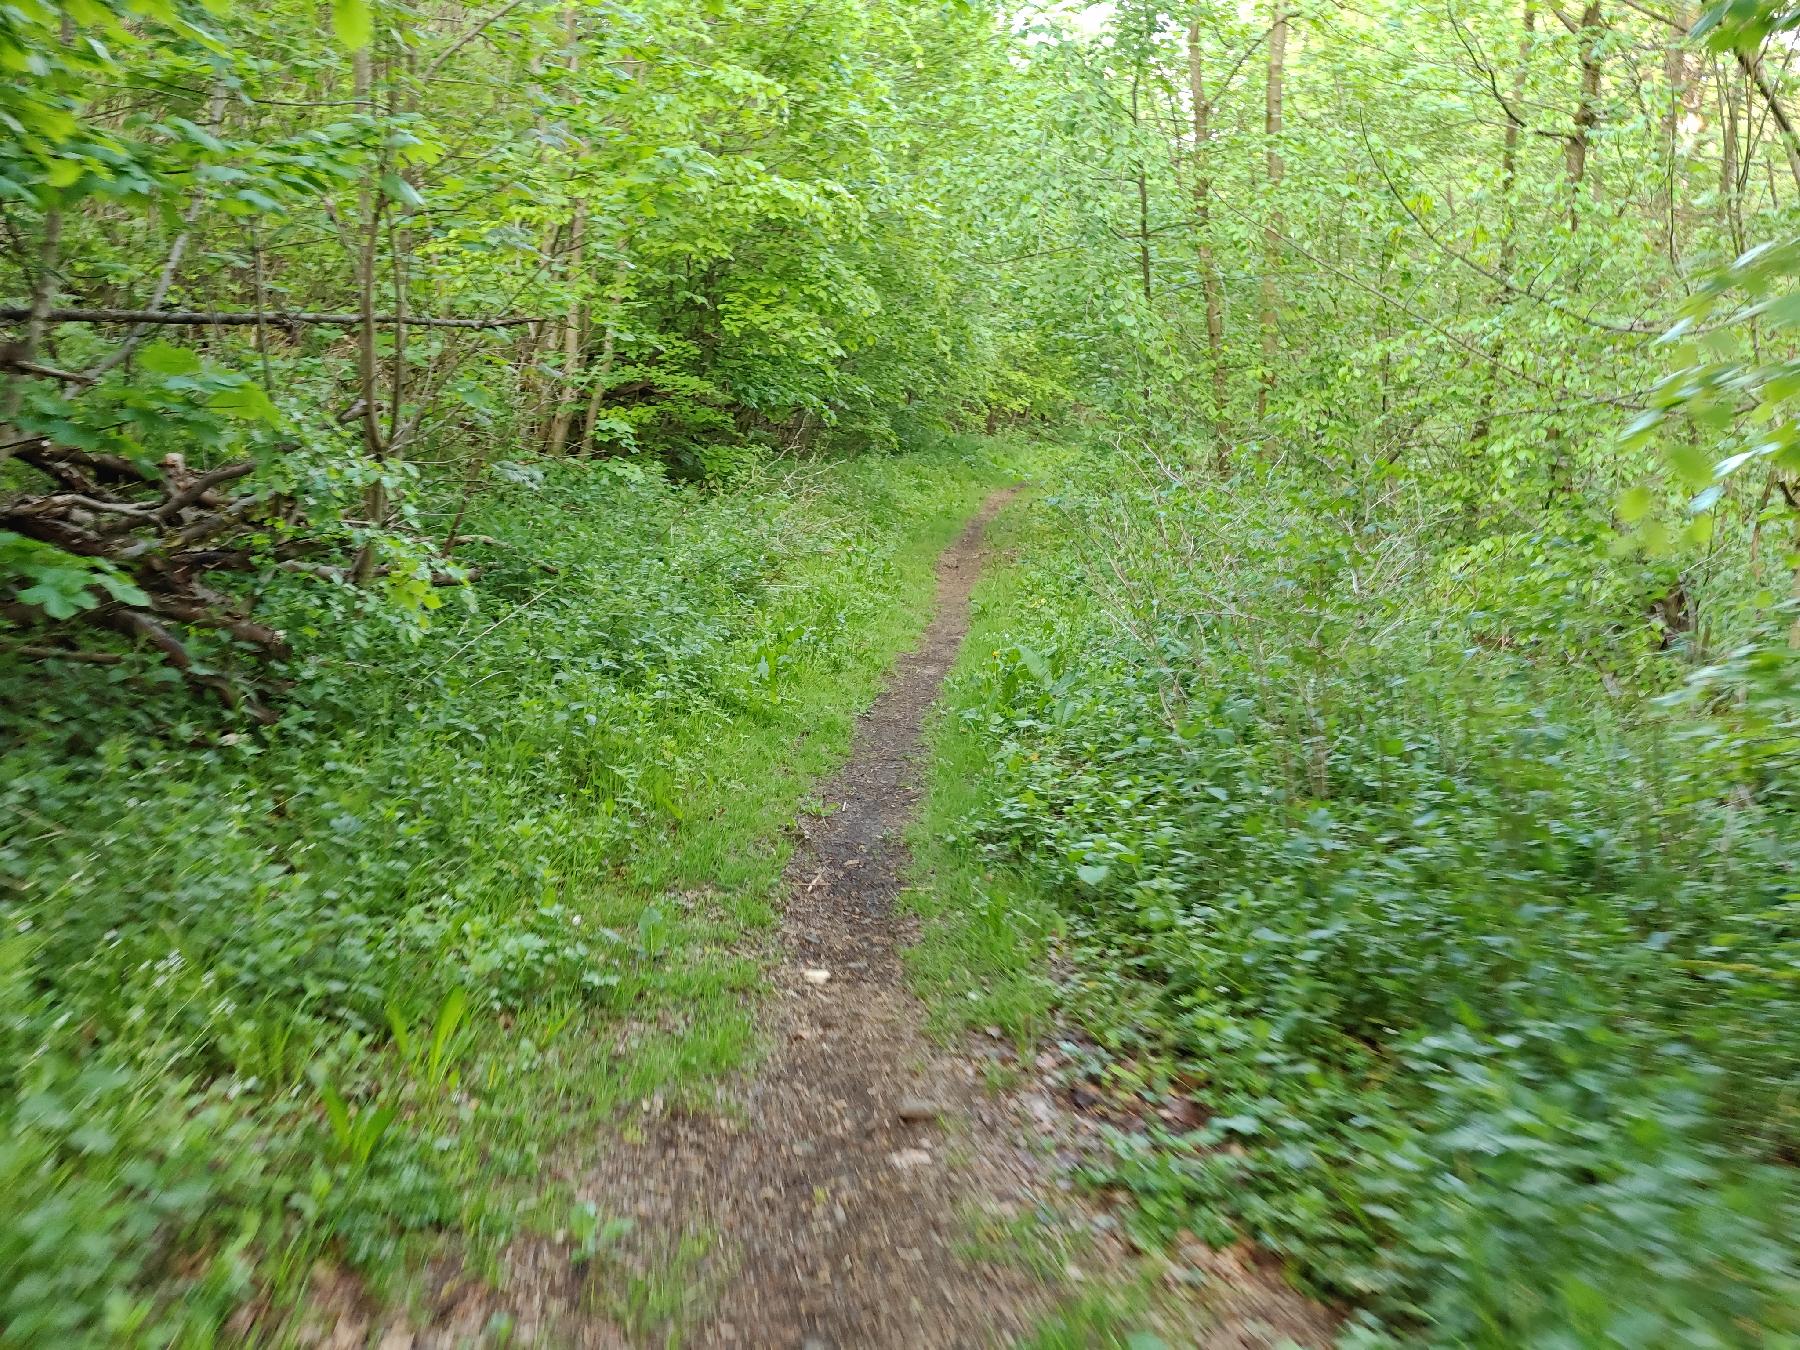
333 989
1463 912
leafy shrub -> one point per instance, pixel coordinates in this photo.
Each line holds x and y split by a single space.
1480 965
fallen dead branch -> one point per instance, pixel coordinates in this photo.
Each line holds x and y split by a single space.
168 531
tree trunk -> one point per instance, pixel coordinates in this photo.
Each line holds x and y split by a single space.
37 323
1509 177
1509 144
1209 271
1143 210
1143 195
1731 110
1678 73
608 350
376 506
1587 108
571 335
1790 140
575 324
369 227
1278 26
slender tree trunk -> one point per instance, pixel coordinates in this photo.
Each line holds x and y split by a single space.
1794 627
1272 109
1575 160
1790 140
1587 108
1143 206
1143 189
369 202
369 229
615 300
574 327
401 102
572 333
1509 179
1679 75
1509 144
1731 109
1209 271
1143 196
43 299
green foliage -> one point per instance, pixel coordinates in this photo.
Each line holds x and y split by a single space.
61 584
711 237
1390 738
1483 976
330 988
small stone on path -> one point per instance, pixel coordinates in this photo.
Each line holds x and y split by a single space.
916 1110
910 1157
816 976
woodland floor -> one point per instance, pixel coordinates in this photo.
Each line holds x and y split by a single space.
835 1200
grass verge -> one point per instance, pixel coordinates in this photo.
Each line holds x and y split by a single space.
988 930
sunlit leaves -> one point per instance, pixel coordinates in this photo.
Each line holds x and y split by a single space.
161 358
353 22
244 399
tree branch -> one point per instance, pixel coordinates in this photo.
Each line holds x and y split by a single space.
190 318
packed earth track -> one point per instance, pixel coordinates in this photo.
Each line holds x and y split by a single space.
838 1195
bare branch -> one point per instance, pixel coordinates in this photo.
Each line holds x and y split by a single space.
190 318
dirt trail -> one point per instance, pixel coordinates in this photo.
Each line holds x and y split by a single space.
835 1194
839 1196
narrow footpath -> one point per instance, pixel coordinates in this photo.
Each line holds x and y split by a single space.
839 1194
831 1199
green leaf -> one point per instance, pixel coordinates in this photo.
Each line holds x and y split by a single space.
161 358
120 588
1782 386
337 1113
62 173
449 1018
1784 312
649 922
1692 464
1035 663
400 190
1093 874
397 1023
370 1130
1634 504
1699 531
245 401
353 21
60 592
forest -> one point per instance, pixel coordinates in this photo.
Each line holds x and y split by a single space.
489 487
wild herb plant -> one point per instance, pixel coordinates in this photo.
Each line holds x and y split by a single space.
1477 963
